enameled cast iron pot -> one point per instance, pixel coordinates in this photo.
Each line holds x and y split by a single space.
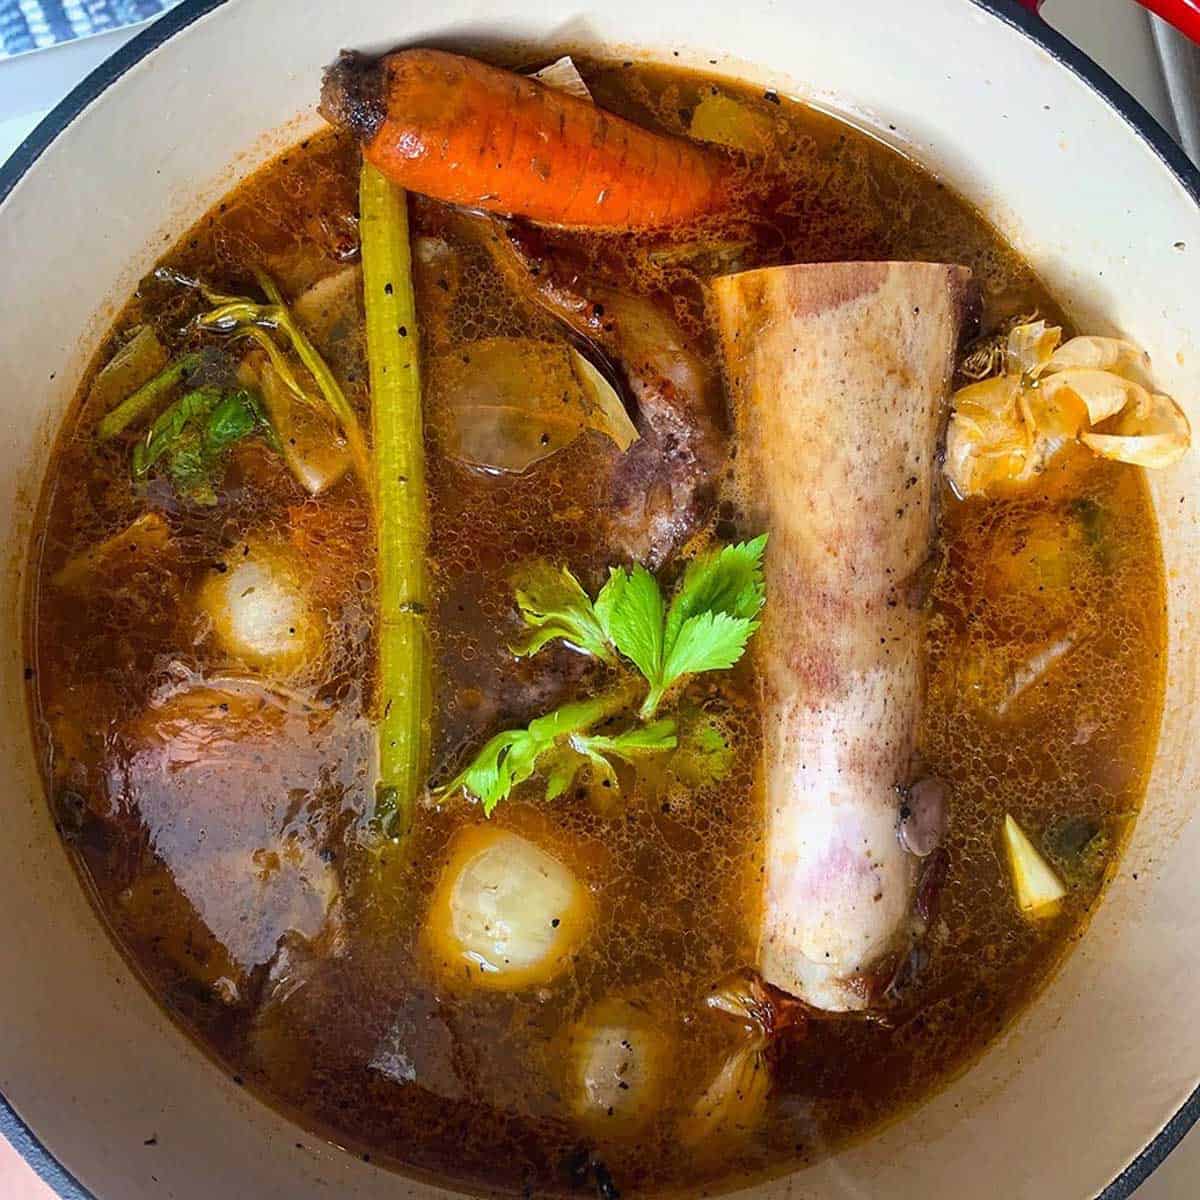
1097 1081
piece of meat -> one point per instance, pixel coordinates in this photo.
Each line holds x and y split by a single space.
838 375
663 487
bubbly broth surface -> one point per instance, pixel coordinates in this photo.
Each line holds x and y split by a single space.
221 818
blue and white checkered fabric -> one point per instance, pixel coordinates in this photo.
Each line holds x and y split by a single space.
32 24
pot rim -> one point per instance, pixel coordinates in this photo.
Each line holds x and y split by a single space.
47 1168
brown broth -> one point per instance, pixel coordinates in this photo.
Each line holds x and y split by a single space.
361 1042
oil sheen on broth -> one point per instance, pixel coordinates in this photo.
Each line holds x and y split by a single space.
218 821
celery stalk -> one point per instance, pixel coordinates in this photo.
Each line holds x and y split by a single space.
403 696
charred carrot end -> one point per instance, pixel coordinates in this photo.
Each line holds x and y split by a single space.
470 134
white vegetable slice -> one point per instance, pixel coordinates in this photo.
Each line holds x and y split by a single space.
1038 889
563 76
505 914
620 1060
260 611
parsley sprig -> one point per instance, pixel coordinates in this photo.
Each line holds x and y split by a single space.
705 627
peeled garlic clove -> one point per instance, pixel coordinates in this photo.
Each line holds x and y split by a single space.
505 914
733 1103
620 1059
260 610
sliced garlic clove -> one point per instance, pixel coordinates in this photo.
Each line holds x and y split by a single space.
505 914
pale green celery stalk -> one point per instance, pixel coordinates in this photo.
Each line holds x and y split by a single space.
145 402
404 689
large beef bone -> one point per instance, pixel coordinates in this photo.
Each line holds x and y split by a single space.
838 374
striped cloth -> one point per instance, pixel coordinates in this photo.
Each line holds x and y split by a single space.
32 24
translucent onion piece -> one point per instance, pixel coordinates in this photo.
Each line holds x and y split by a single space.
1037 888
563 76
314 450
505 913
733 123
147 534
732 1104
620 1066
259 609
508 403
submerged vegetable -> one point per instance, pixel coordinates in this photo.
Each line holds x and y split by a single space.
1038 889
505 913
148 533
259 609
135 363
722 119
403 691
191 438
620 1062
241 317
509 403
1006 429
475 135
148 398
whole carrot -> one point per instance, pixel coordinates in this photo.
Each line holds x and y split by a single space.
467 133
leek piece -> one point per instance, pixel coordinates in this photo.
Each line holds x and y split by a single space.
147 399
404 692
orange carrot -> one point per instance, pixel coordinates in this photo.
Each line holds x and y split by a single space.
464 132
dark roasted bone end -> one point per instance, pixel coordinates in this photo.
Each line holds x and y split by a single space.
352 94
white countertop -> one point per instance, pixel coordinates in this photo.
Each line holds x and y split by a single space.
1115 33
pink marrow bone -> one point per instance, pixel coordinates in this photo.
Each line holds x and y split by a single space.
838 375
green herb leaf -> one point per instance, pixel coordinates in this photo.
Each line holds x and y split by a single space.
169 425
511 757
554 605
630 608
711 618
710 641
728 581
703 755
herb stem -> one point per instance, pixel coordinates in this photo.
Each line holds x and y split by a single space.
145 402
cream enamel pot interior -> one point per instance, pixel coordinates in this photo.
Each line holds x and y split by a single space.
1062 1103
